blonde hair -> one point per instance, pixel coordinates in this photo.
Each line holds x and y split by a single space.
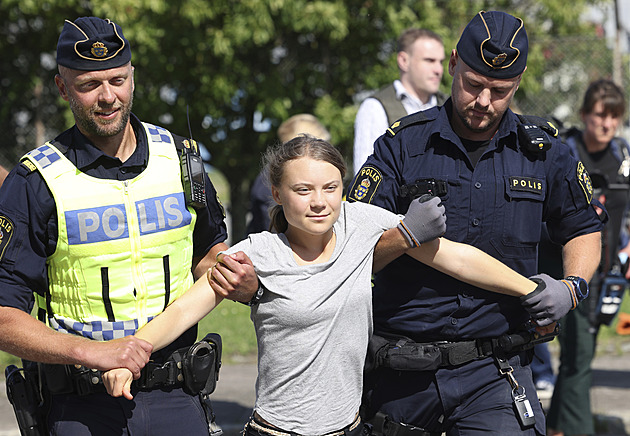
302 123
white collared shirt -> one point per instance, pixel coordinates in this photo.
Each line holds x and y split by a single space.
371 121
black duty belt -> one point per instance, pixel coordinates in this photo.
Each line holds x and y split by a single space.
408 355
80 380
195 368
166 375
403 354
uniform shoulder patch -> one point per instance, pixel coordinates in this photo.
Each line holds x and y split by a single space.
6 233
585 181
409 120
365 184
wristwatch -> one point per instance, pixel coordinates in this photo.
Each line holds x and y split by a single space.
257 296
580 286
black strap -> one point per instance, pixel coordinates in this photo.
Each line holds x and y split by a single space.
213 427
105 291
167 280
458 353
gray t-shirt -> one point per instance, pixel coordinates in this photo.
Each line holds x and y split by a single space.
314 323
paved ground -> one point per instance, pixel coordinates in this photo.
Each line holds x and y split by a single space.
234 397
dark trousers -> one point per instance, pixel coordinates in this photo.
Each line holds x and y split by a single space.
466 400
155 413
570 409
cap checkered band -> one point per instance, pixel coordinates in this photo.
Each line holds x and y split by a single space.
44 155
97 330
158 134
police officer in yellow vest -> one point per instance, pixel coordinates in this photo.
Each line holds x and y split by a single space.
97 223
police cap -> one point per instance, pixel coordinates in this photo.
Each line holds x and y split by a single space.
91 44
494 44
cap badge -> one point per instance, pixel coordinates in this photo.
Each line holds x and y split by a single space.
498 60
99 50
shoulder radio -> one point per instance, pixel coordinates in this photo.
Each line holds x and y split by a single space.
193 172
193 176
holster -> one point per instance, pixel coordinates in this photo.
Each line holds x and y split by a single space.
27 398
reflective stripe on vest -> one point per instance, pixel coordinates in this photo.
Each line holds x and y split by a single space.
124 248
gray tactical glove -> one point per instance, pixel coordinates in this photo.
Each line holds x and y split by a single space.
551 300
425 220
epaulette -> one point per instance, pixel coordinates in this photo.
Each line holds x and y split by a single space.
544 124
409 120
28 165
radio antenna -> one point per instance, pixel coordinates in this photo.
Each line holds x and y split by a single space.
188 120
193 145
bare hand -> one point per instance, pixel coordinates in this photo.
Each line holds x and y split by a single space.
128 352
234 277
545 330
118 382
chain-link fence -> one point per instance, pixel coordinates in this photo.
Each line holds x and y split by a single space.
569 65
29 129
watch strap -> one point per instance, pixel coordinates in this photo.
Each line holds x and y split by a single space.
257 296
580 288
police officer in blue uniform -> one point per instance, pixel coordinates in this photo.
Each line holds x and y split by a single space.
59 197
452 364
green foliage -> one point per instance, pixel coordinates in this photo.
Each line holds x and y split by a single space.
231 320
240 68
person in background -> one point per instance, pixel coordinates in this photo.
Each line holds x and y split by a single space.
314 317
260 199
497 186
608 156
542 370
98 229
420 64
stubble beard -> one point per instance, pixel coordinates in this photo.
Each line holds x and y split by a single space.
467 123
86 119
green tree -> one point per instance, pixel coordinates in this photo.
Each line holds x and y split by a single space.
239 68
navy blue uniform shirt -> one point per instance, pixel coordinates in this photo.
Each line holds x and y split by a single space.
497 206
27 203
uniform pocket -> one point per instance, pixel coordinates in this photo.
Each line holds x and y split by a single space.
521 216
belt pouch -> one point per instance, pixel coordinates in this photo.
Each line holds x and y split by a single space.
407 355
57 378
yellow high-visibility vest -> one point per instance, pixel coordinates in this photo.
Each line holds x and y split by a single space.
124 248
